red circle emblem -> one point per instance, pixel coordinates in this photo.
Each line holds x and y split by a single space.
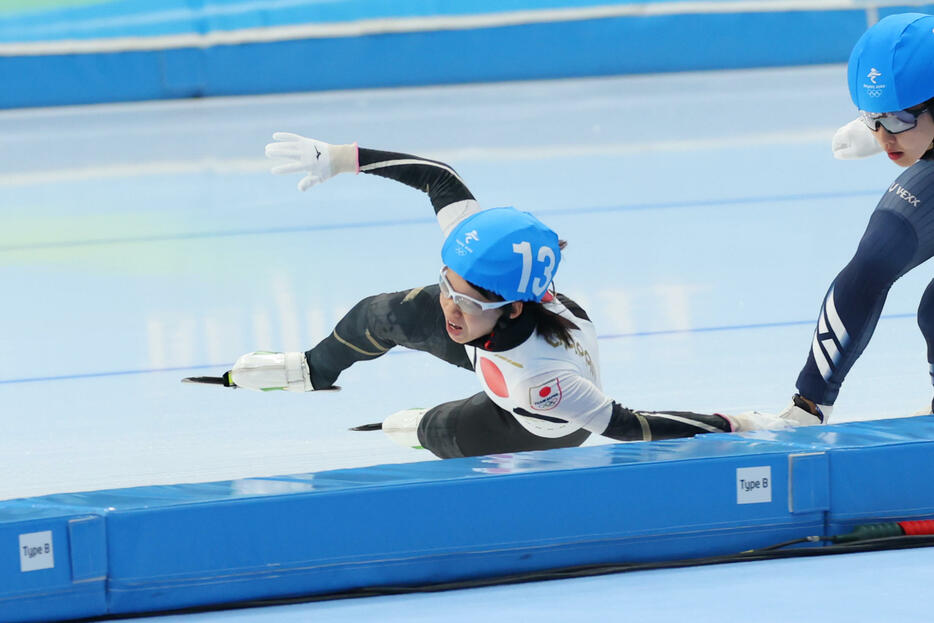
494 378
544 391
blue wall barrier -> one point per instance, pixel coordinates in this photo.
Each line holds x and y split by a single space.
167 547
143 49
54 562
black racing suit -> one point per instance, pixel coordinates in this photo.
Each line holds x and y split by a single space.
414 319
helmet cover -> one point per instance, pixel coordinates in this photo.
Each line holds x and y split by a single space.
892 65
506 251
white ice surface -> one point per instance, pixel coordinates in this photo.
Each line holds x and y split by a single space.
869 587
146 242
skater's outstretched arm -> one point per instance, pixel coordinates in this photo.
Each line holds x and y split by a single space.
449 195
412 318
564 400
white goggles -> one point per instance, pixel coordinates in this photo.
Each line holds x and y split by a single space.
466 304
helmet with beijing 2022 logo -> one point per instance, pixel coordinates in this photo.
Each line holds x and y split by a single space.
506 251
891 66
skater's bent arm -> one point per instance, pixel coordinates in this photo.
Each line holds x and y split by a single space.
450 197
412 318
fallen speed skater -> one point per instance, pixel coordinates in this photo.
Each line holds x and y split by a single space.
494 310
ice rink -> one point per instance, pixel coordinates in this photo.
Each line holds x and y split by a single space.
874 586
705 218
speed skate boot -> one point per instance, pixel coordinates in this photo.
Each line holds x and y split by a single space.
402 427
803 412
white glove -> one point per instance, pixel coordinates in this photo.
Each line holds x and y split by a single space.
265 371
756 420
320 160
854 140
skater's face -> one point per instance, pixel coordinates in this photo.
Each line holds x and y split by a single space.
906 148
463 327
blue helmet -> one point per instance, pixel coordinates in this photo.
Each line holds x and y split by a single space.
505 251
892 65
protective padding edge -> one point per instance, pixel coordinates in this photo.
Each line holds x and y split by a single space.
521 51
164 547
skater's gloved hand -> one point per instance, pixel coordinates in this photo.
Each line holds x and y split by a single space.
264 371
854 140
319 160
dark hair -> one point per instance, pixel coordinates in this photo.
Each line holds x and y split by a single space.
929 106
551 326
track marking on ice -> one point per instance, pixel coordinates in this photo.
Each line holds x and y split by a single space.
577 211
402 351
460 155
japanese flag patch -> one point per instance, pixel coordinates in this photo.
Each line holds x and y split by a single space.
545 397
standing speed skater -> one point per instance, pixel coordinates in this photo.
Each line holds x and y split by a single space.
891 81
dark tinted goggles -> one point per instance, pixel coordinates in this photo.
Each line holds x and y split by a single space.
894 122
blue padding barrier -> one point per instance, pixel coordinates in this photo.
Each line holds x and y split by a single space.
167 547
144 49
53 564
400 525
881 470
149 18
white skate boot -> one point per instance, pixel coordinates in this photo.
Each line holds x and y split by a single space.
402 427
802 412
